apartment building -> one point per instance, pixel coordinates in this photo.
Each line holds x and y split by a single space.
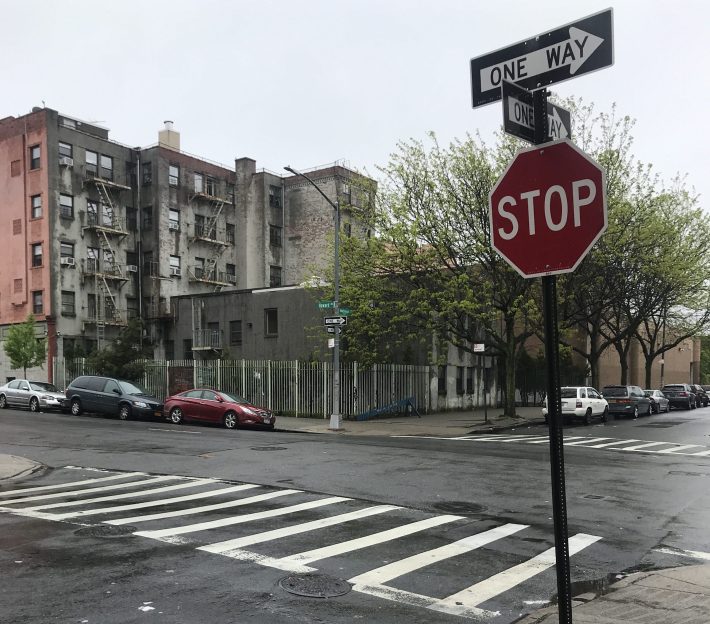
98 232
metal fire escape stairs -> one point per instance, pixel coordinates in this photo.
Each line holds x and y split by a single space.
208 234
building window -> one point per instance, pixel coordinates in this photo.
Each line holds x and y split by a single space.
18 285
66 250
231 233
148 217
37 303
174 219
200 268
65 150
37 255
66 206
199 186
148 267
271 322
231 273
106 167
68 303
187 348
460 371
92 163
275 197
91 306
235 333
174 266
274 276
36 206
469 380
211 186
132 307
131 219
92 259
174 175
230 193
147 173
275 235
35 153
442 380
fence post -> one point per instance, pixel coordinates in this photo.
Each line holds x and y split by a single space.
268 383
219 374
325 390
355 395
297 389
167 378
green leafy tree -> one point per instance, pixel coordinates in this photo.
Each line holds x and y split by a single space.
122 358
23 347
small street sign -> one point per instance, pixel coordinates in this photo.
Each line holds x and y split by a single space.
324 305
334 330
548 209
344 311
578 48
479 347
518 118
335 320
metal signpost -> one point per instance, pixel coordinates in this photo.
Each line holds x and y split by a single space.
549 207
519 120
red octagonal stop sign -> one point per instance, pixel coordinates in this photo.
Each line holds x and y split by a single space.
548 209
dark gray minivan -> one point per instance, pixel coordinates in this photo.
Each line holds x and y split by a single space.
108 395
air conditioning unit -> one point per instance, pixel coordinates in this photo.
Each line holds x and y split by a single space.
232 279
67 261
173 225
175 271
131 268
66 161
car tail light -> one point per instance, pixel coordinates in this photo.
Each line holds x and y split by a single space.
579 403
624 401
683 393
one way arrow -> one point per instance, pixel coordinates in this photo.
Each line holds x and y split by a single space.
572 52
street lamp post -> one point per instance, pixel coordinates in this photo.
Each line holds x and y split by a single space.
335 416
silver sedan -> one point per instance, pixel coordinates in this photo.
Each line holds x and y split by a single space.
659 401
34 395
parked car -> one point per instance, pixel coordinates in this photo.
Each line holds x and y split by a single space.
581 402
108 395
627 401
701 397
680 395
206 405
37 396
659 402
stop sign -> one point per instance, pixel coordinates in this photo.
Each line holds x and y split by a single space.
548 209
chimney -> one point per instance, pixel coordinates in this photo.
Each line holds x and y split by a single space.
168 137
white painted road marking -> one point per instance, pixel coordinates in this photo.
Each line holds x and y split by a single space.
694 554
59 486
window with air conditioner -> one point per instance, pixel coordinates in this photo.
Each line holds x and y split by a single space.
174 220
175 266
66 150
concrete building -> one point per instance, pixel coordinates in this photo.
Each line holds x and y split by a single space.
100 232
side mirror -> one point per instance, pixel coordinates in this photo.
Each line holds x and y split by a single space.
116 391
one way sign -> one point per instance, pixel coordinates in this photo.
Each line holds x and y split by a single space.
518 118
335 320
566 52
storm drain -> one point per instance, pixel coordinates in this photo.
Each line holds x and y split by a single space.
460 508
315 585
105 530
268 448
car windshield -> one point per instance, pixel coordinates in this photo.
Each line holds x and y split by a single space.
41 386
615 391
648 392
234 398
568 393
130 388
676 387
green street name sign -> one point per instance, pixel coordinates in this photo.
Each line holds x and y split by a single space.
326 304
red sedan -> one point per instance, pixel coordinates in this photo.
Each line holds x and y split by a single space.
202 404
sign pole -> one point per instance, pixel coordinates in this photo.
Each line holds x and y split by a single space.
554 407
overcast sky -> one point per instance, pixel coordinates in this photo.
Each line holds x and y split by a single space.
308 82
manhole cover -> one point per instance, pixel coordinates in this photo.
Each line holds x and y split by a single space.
105 530
268 448
315 585
461 508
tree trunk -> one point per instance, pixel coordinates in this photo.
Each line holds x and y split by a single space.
509 404
649 368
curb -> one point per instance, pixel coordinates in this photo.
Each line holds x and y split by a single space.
24 472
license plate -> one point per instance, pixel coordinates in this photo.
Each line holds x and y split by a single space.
158 414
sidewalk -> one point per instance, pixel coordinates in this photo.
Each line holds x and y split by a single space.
671 596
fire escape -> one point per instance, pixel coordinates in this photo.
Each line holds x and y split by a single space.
206 240
108 275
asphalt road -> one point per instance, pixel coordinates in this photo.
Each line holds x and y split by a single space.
477 507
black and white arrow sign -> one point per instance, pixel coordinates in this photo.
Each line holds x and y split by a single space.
335 320
518 118
567 52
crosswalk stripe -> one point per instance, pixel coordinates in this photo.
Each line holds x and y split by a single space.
584 441
700 453
231 520
58 486
102 499
507 579
529 439
682 447
153 503
606 444
81 492
190 511
643 446
233 547
299 561
381 575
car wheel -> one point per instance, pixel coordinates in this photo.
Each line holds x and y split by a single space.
75 407
34 404
655 408
3 401
605 414
588 416
230 420
176 416
636 412
668 407
124 412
